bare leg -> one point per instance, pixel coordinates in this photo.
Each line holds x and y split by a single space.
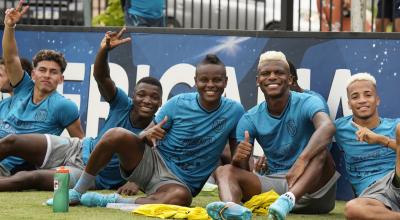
381 25
319 171
30 147
364 208
122 142
236 184
396 25
37 179
168 194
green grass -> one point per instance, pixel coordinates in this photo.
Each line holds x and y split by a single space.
29 205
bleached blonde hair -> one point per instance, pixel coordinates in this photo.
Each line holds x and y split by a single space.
361 77
272 56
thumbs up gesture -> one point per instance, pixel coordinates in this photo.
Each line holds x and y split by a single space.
243 149
155 133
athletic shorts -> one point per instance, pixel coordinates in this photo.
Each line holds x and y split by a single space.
64 151
152 173
386 10
384 191
319 202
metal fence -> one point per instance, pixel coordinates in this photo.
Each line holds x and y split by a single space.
297 15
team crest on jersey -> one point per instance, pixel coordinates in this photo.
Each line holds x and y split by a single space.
41 115
219 124
291 127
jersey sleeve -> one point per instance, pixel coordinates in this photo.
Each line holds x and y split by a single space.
239 111
121 100
67 112
168 109
245 124
311 106
24 86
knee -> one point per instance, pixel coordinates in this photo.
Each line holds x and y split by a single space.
7 143
181 197
225 172
114 136
352 209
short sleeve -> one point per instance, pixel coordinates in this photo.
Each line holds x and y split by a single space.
23 87
168 109
245 124
239 111
67 112
121 100
311 106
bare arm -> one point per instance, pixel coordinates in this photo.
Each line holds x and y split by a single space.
365 135
322 137
75 129
10 52
101 70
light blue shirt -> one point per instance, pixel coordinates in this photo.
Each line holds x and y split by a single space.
196 137
311 92
365 163
51 116
119 116
147 8
282 138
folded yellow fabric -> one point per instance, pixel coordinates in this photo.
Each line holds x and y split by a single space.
172 211
259 204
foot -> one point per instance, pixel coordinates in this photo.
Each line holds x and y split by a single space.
93 199
280 208
228 210
74 198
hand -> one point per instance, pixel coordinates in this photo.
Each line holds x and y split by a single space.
260 165
295 172
112 39
129 189
13 15
365 135
244 149
155 133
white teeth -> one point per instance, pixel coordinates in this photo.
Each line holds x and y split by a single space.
210 92
364 108
272 85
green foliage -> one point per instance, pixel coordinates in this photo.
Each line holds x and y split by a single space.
112 16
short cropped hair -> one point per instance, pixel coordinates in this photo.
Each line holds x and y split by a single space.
361 77
210 59
293 70
50 55
152 81
272 56
26 65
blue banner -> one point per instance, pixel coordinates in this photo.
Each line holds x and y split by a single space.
323 64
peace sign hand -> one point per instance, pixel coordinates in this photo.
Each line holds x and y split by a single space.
365 135
13 15
113 39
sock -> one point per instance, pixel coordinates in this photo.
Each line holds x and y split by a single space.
127 200
291 197
85 181
396 181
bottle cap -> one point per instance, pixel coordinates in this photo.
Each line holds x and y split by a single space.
62 170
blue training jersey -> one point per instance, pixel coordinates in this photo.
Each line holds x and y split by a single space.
311 92
196 137
147 8
365 163
283 137
120 107
51 116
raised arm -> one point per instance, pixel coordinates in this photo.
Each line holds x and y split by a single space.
10 52
101 70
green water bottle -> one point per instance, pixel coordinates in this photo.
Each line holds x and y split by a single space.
61 196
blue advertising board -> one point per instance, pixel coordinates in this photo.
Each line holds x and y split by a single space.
324 63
